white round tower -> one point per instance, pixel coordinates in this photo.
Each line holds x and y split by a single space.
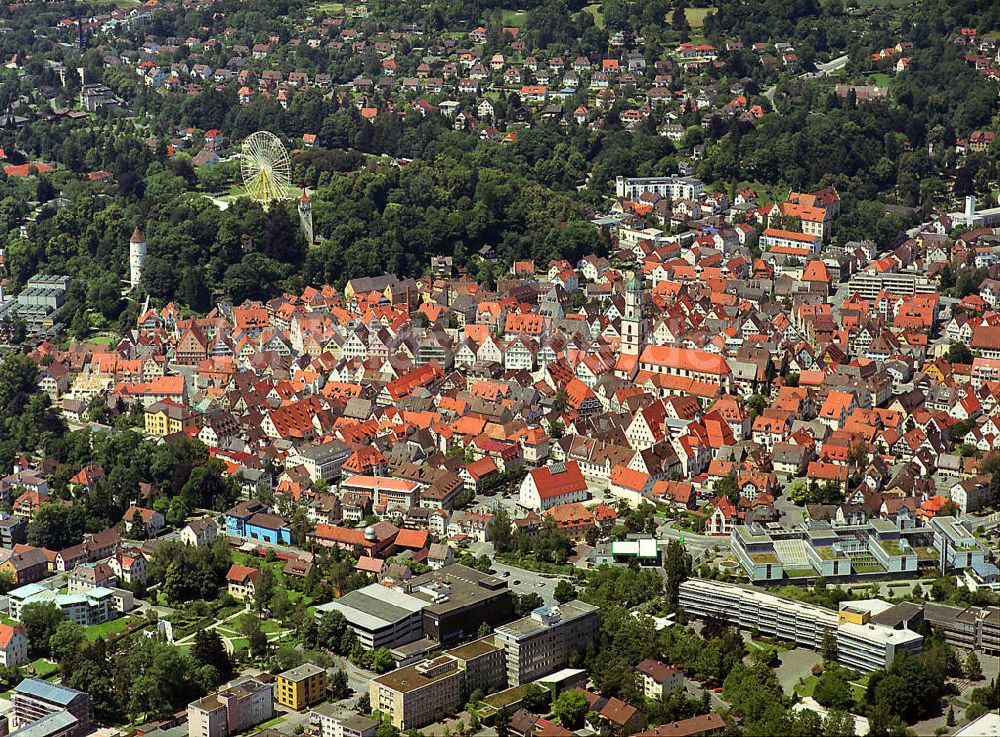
136 257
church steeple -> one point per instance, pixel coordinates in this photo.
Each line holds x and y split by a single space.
633 326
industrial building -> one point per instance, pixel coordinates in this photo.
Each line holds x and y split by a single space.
446 606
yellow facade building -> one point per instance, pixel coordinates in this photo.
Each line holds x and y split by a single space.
167 417
301 687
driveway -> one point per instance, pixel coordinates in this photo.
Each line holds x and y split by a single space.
796 664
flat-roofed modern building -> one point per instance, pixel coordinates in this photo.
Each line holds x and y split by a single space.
643 550
862 644
458 600
803 624
414 696
35 699
542 642
958 546
380 616
301 686
973 628
672 187
483 663
868 285
867 647
57 724
418 694
875 546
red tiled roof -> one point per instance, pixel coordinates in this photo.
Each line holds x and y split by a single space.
414 539
699 725
553 481
241 574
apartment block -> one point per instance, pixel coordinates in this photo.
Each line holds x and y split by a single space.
13 645
418 694
542 642
673 188
35 700
237 707
302 686
659 680
869 285
330 720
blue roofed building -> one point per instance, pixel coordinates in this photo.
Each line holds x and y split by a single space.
36 700
59 724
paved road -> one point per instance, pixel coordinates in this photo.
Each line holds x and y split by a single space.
795 664
697 545
357 678
530 582
769 94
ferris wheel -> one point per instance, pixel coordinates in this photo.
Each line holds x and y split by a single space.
265 167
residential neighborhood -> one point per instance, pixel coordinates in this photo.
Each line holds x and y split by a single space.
474 369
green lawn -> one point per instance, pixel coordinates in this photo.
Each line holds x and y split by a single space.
270 723
329 8
595 10
807 687
696 16
43 667
868 568
267 626
871 4
107 628
881 79
514 18
762 644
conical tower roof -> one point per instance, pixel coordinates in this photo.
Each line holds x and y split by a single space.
137 236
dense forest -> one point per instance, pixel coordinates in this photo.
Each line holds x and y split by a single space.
392 191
